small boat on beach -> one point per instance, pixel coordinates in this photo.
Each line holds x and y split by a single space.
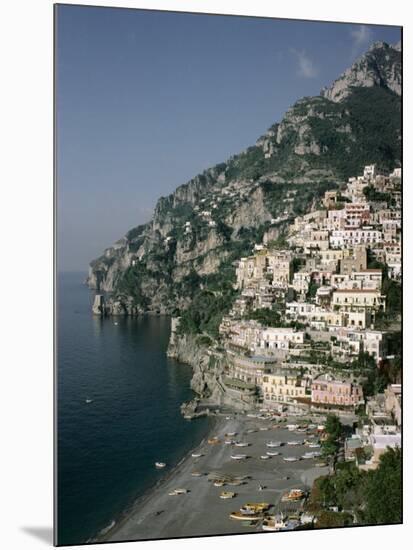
294 443
265 457
227 494
243 517
197 474
273 453
177 492
274 444
238 457
273 523
160 465
314 445
213 441
290 458
219 483
230 434
196 455
252 508
241 444
293 495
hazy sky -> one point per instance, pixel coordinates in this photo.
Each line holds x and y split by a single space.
146 100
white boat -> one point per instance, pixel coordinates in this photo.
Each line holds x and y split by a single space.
229 442
273 453
314 445
290 458
231 434
293 443
241 444
272 444
265 457
238 457
196 455
176 492
87 401
273 523
160 465
307 456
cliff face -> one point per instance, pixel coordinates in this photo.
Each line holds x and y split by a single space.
380 66
199 230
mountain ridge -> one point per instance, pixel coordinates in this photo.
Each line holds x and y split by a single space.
200 229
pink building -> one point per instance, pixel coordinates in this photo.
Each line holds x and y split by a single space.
325 390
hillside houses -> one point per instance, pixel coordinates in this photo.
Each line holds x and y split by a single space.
321 295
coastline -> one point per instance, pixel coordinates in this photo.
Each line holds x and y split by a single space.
157 515
105 534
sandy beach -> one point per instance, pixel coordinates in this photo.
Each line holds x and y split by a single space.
200 511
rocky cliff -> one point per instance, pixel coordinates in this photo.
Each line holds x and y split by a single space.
185 255
380 66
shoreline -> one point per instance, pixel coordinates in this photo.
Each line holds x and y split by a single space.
157 515
139 502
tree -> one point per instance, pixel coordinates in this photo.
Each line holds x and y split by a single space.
383 490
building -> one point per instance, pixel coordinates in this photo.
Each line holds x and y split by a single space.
356 299
354 260
283 386
280 338
328 391
251 369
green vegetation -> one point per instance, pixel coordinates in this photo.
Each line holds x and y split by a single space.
334 430
374 497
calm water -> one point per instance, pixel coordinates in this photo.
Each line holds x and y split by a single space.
107 449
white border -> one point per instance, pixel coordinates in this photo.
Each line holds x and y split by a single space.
26 273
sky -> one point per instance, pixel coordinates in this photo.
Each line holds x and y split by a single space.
146 100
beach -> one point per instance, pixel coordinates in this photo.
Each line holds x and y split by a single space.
201 511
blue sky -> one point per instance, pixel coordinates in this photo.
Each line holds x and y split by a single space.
146 100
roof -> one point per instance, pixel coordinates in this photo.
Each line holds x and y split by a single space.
383 441
356 290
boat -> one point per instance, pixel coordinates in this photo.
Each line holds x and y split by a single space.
243 517
196 455
314 445
321 464
274 444
273 453
273 523
293 495
160 465
87 401
293 443
254 507
230 434
229 442
265 457
219 483
213 441
307 455
227 494
292 427
238 457
290 458
197 474
263 429
177 492
241 444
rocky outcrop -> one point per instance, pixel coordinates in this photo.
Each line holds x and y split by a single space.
380 66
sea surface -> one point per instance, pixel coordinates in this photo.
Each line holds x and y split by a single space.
107 448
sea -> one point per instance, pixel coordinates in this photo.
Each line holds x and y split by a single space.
118 412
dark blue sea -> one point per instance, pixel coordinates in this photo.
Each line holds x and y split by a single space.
107 448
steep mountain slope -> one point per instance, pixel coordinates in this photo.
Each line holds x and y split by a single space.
185 254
